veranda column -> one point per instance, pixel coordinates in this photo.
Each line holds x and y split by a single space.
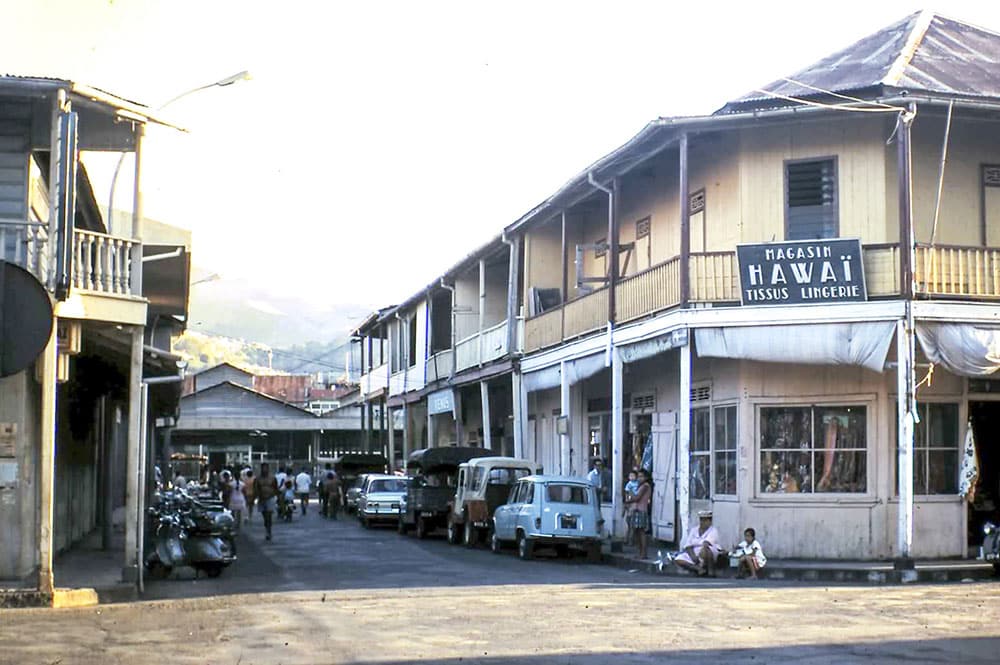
130 573
519 402
484 396
47 469
564 409
684 444
904 427
616 438
392 440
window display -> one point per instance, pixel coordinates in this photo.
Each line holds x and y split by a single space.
701 453
725 450
813 449
935 450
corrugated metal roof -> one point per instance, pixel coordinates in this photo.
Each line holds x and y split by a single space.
923 52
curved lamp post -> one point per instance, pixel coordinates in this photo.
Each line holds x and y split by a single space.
229 80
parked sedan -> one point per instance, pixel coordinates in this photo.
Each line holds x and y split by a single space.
380 498
553 511
353 492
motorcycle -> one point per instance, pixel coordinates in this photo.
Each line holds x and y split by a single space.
990 549
190 531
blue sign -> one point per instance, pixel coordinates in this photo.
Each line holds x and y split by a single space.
802 272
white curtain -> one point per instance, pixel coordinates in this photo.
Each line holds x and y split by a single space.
863 344
964 349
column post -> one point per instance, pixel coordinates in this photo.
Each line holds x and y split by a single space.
684 444
617 436
130 572
685 217
518 402
904 427
47 462
484 395
564 411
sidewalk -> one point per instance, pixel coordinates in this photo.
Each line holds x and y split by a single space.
826 570
86 566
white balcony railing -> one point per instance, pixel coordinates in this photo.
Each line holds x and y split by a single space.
375 380
25 244
440 365
103 263
481 347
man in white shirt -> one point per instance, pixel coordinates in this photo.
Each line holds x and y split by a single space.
303 484
281 477
700 547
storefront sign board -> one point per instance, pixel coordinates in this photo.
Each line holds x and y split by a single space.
443 401
802 272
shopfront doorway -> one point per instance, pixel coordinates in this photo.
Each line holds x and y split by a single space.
985 419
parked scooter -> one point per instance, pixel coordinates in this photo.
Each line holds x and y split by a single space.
990 549
190 531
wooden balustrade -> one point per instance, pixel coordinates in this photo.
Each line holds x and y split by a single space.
440 365
585 314
715 277
881 269
945 270
25 244
543 330
102 263
652 290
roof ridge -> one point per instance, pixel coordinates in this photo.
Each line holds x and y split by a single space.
967 23
917 33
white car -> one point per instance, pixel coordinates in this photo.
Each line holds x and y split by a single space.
553 511
380 498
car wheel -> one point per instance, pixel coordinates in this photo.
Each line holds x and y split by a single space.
470 535
365 524
496 545
594 553
212 569
421 528
525 548
453 535
562 551
401 526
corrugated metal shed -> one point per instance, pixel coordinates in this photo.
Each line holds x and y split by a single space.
924 52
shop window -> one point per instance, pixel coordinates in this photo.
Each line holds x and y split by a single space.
701 453
935 450
813 449
725 449
811 199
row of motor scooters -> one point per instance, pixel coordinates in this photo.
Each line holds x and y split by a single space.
190 527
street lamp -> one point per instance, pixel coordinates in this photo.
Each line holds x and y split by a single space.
221 83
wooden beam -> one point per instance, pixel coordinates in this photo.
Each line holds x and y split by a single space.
685 218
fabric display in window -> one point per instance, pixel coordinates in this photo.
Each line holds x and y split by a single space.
969 470
647 454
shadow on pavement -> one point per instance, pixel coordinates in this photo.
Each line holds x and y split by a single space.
919 652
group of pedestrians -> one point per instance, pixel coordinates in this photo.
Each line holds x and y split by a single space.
274 493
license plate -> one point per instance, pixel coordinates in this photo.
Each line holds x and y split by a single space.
567 521
427 513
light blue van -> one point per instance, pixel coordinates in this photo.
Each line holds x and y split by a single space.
549 511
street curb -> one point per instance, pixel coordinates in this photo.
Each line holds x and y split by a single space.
63 598
861 574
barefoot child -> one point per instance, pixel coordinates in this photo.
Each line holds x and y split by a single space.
751 555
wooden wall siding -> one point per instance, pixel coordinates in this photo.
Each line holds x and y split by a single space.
650 291
959 271
543 330
971 144
859 147
714 277
881 269
585 314
15 128
542 268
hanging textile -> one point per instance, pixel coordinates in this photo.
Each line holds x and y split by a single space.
964 349
864 344
968 472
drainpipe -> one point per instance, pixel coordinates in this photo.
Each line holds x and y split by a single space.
513 272
612 260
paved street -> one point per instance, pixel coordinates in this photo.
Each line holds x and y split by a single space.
331 592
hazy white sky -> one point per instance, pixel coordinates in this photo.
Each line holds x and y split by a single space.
379 142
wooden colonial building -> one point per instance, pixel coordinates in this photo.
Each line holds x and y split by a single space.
787 308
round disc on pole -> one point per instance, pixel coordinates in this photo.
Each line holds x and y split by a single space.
25 318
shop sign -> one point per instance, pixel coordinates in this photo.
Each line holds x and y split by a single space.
443 401
802 272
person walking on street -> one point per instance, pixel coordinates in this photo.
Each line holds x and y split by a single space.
324 502
331 485
303 485
265 488
235 501
248 493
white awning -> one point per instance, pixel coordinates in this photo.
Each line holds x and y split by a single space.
576 370
964 349
863 344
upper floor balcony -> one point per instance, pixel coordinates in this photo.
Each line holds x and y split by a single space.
940 271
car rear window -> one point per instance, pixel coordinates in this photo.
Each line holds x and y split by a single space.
388 485
566 493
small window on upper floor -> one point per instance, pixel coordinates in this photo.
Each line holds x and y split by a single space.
811 199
